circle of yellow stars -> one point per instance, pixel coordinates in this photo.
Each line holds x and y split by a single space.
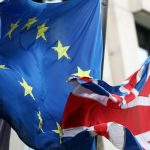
61 51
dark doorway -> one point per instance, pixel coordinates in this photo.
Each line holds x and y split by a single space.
143 34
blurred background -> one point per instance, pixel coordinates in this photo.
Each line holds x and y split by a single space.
127 46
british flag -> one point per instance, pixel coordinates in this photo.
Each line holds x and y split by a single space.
120 113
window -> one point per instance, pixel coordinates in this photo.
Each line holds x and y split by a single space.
143 35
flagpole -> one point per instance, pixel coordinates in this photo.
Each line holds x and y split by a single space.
104 12
4 135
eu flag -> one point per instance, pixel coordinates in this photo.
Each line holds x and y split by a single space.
41 45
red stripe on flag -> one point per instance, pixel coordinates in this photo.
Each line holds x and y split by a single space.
81 111
119 99
87 79
102 130
132 81
128 98
146 90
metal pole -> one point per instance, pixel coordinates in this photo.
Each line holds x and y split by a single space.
4 135
104 12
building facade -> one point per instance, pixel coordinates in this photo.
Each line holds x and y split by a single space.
127 46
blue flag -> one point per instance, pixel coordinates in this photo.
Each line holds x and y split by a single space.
41 45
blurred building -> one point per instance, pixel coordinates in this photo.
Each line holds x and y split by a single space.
128 41
127 46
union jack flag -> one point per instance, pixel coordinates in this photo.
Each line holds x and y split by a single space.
120 113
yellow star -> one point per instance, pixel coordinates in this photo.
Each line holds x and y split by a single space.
41 31
12 28
62 51
40 121
3 67
29 23
27 88
59 131
82 73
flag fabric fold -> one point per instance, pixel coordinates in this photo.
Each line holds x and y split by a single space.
41 45
120 113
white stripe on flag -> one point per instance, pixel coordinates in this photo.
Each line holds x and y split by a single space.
83 92
116 135
71 132
124 90
144 140
138 101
